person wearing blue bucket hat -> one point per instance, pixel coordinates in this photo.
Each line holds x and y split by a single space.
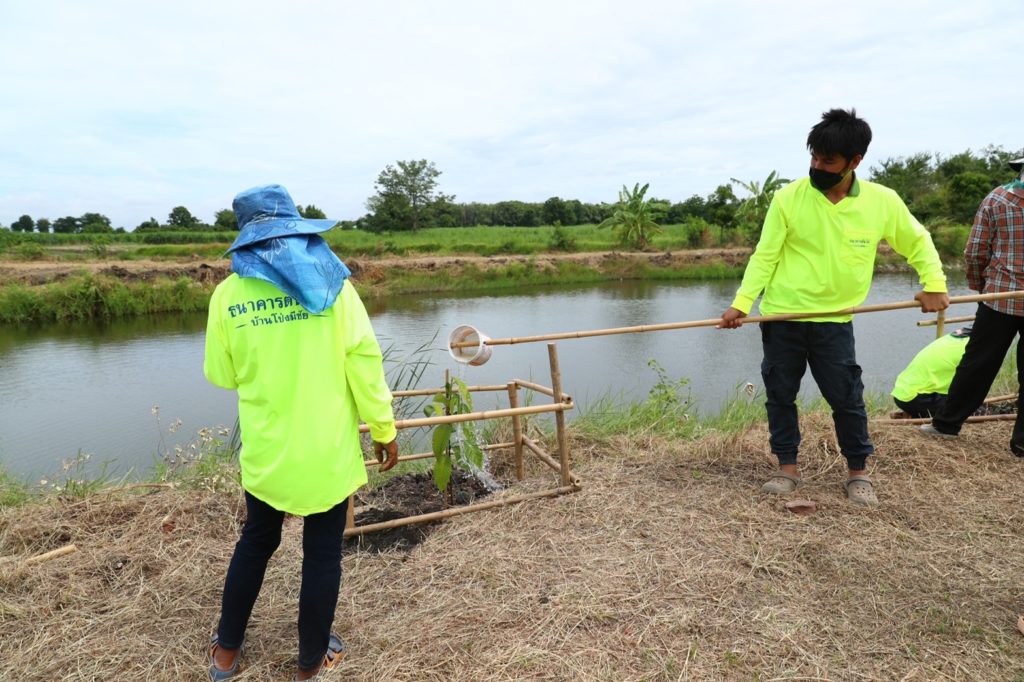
276 244
297 345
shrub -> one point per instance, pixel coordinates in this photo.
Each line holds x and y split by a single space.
950 241
29 251
561 240
698 232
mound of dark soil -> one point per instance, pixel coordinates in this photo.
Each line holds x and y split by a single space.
409 495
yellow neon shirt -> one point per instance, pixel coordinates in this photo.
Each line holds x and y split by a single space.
932 369
816 256
304 381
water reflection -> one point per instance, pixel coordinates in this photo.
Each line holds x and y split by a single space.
91 387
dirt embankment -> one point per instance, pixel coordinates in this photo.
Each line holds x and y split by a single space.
214 270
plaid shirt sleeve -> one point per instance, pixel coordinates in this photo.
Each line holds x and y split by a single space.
979 246
994 253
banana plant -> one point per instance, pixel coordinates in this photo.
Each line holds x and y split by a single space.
754 208
633 217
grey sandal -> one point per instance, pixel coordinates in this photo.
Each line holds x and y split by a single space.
780 483
861 492
216 674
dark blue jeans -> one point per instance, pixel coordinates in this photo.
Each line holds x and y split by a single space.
991 336
828 348
321 576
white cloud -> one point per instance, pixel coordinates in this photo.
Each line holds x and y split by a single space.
131 108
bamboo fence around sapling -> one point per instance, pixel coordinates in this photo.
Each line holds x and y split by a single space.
568 481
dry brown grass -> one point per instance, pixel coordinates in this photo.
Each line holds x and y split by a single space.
668 565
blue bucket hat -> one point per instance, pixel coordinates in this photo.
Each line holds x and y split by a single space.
279 246
268 212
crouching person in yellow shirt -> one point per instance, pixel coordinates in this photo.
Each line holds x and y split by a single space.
817 254
293 338
921 389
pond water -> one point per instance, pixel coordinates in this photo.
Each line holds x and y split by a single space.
128 391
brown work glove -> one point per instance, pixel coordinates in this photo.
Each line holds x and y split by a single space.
391 448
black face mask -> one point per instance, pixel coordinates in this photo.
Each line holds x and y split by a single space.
826 180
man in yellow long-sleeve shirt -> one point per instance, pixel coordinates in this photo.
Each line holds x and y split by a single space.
816 254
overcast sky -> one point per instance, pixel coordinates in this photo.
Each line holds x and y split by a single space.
132 108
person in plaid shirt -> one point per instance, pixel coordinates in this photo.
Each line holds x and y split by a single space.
995 263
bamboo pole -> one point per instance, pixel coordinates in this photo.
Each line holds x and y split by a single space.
949 320
498 446
403 458
1000 398
928 420
873 308
350 513
536 388
456 511
574 480
474 416
940 324
517 428
556 386
427 455
431 391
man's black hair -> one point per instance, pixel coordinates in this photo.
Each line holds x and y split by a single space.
840 132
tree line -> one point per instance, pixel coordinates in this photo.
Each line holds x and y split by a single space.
180 219
407 196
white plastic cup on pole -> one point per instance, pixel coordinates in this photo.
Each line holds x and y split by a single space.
475 354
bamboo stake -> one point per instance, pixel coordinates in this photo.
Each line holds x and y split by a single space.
556 386
517 428
45 556
873 308
940 324
456 511
547 459
928 420
949 320
474 416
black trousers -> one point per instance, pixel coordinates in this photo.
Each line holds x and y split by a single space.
828 349
321 576
992 334
923 405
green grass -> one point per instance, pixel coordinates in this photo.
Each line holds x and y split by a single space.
88 297
441 241
12 491
489 241
670 410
